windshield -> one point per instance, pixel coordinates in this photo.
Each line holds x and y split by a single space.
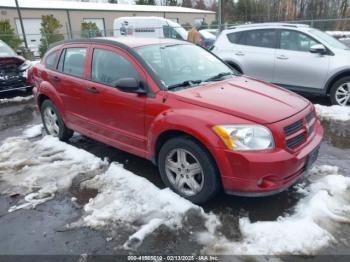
330 40
179 29
177 63
5 50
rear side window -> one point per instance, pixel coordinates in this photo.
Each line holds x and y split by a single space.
260 38
50 60
234 38
72 61
108 67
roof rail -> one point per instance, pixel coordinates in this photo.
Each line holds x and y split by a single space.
268 24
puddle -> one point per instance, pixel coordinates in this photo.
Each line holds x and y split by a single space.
337 133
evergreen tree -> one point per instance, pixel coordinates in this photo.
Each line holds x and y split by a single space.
50 27
187 3
8 35
90 29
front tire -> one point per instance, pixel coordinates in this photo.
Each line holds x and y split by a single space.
340 92
53 121
188 169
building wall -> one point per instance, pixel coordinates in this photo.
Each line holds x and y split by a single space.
77 17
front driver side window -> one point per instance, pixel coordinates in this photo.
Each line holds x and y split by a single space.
108 67
295 41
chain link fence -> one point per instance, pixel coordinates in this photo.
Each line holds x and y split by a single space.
332 26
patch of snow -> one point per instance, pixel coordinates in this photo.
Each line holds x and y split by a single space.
40 169
133 200
335 112
33 131
306 231
16 99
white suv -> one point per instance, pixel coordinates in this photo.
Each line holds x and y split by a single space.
296 57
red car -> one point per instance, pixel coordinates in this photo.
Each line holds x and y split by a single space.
178 105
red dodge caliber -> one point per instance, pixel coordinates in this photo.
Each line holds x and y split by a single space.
178 105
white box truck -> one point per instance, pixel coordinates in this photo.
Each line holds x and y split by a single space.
152 26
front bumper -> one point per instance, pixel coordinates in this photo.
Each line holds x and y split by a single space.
13 83
266 172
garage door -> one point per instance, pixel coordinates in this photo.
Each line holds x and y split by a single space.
32 29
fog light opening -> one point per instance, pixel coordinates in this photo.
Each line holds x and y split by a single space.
260 182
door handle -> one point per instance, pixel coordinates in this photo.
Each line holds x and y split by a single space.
282 57
239 53
55 78
92 90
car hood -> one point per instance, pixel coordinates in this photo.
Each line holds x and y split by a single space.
18 60
246 98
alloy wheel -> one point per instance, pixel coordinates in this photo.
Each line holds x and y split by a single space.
342 94
51 121
184 172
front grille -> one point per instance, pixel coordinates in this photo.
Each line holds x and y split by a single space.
288 130
298 132
296 141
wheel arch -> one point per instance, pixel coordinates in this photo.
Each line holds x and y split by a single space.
335 78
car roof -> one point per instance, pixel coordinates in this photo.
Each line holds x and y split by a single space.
270 25
123 41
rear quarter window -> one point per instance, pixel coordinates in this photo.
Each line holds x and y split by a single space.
50 60
235 37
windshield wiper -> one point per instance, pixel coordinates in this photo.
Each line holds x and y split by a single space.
219 76
184 84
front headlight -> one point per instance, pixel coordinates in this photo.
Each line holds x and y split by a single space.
25 66
245 137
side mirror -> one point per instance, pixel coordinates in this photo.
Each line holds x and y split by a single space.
318 49
129 85
19 52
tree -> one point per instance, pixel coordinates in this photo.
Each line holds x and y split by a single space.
187 3
200 5
145 2
50 27
171 2
90 29
8 35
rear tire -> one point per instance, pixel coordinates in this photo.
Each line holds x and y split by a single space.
340 92
53 121
197 177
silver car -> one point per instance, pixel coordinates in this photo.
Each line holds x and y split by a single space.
297 57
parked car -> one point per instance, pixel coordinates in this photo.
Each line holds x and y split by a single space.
297 57
345 41
214 32
13 70
181 107
148 26
208 39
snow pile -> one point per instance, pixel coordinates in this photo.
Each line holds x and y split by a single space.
16 99
33 131
42 168
335 112
307 230
132 200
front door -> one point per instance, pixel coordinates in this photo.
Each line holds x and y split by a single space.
117 117
295 67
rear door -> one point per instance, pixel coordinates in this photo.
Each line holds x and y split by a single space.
70 82
116 117
295 67
256 52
